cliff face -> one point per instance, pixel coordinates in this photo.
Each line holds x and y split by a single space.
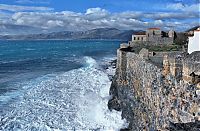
150 101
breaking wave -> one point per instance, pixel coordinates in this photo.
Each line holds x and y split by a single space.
74 100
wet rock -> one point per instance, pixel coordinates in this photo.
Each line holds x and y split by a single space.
114 103
192 126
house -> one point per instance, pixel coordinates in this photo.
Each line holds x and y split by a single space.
140 36
153 36
194 42
154 32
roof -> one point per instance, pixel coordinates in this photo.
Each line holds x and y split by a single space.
198 29
154 29
192 29
140 33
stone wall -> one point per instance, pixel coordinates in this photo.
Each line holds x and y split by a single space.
154 41
149 100
160 40
174 61
191 65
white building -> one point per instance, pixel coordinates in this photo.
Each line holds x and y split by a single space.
194 42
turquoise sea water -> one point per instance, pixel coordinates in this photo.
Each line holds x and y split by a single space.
56 85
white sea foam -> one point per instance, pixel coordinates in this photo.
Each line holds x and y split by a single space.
110 70
75 100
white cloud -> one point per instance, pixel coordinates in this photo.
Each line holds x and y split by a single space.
16 8
159 22
184 7
24 1
176 6
99 18
54 23
95 11
168 16
32 1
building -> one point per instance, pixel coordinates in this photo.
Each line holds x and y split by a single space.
194 42
140 36
191 31
153 36
154 32
171 34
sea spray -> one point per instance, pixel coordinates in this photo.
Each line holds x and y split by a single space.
74 100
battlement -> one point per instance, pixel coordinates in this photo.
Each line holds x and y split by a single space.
180 65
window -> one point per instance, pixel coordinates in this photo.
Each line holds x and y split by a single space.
134 38
142 38
138 38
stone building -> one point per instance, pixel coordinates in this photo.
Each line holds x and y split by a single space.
171 34
194 42
153 36
153 32
140 36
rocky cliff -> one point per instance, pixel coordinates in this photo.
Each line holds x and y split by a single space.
151 101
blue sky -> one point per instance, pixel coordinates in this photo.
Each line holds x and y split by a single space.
36 16
111 5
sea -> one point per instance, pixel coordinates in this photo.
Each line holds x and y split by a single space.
57 85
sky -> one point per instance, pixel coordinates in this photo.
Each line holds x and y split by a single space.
43 16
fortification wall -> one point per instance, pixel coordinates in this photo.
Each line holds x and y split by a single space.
154 41
149 100
160 40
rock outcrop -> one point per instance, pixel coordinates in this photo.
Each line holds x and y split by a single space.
151 100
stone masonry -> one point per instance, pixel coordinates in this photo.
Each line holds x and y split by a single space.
152 98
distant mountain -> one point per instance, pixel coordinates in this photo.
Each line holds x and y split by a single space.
100 33
14 29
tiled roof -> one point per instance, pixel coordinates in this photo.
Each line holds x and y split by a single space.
154 29
140 33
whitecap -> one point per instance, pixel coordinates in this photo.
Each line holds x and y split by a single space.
75 100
